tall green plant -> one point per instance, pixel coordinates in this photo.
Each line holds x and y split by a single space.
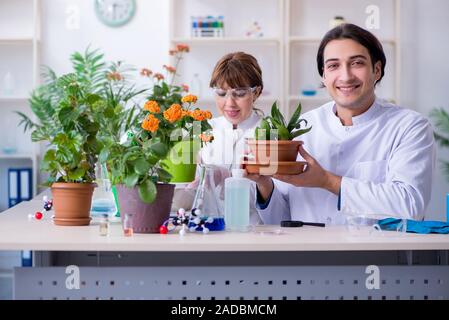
78 113
441 118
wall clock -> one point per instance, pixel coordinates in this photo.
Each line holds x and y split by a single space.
115 13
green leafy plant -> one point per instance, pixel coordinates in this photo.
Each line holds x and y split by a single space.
274 126
441 118
78 113
165 119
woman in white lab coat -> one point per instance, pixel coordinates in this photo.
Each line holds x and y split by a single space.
237 83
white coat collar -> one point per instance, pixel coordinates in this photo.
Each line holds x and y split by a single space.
367 116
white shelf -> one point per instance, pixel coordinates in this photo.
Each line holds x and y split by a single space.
13 99
314 40
304 39
17 156
215 40
25 40
316 98
206 51
19 50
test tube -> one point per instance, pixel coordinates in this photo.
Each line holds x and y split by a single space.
127 225
104 225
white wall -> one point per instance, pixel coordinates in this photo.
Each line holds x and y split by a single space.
433 81
143 42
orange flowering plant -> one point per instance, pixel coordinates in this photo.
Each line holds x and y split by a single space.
167 117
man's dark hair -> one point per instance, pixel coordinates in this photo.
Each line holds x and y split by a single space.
359 35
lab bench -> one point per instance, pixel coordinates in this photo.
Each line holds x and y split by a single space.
268 262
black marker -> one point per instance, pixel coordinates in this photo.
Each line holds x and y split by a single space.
295 224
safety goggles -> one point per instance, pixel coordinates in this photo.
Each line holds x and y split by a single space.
236 93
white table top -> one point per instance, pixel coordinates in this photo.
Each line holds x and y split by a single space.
17 232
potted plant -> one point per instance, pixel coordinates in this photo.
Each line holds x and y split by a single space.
136 165
274 137
273 147
166 93
71 111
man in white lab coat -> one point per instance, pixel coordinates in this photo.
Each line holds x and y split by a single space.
365 157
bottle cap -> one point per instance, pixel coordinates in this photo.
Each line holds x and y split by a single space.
238 173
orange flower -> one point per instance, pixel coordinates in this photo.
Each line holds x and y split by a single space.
190 98
198 115
174 113
185 113
169 68
159 76
152 106
146 72
206 137
172 52
150 123
114 76
208 114
185 88
183 48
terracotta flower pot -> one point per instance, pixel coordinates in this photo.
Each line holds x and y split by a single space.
72 202
146 217
272 168
267 151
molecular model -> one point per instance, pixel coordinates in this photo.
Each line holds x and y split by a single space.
254 31
187 220
38 215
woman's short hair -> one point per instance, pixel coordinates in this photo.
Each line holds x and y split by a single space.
237 70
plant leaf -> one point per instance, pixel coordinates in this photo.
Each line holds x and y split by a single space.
300 132
294 119
77 174
141 166
147 191
159 149
104 155
163 175
131 180
276 114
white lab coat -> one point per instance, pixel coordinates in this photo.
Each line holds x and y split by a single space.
386 159
228 148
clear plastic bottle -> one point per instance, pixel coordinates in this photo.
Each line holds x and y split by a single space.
103 201
194 27
221 26
237 189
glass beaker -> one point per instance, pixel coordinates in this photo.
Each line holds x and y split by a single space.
103 201
209 197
